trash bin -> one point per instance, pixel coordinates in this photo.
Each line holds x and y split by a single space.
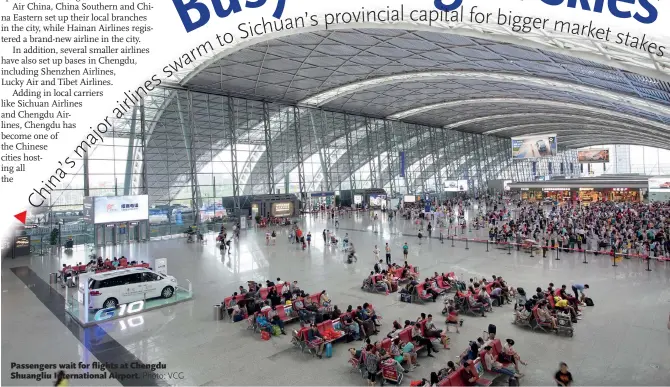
217 312
53 278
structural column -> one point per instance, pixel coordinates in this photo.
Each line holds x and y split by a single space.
301 167
268 149
232 127
392 156
187 134
350 163
370 153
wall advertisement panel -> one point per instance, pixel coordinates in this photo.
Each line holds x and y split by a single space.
593 156
113 209
89 209
455 185
409 199
506 184
378 201
282 209
530 147
659 184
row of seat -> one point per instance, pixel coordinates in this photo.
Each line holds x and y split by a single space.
300 337
442 287
483 375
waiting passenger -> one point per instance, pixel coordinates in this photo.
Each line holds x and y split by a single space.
423 341
510 355
275 320
395 331
496 366
315 338
496 294
351 326
546 317
427 290
324 299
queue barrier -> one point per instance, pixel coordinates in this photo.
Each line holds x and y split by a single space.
532 247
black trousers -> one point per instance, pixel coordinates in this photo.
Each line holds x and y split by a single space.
425 343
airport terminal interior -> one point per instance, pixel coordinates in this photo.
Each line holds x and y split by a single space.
468 156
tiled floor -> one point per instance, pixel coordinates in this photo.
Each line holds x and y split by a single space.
623 340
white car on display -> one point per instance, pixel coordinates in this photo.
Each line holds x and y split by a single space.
123 286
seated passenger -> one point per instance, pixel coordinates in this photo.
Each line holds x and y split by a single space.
366 310
275 320
496 366
237 313
476 306
483 297
315 338
496 294
418 337
564 306
336 313
401 356
545 317
396 329
427 290
263 323
351 326
509 354
466 374
324 299
432 331
266 306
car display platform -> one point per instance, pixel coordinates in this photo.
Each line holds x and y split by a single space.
91 317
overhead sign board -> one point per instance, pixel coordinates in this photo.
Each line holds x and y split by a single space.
659 184
530 147
455 185
593 156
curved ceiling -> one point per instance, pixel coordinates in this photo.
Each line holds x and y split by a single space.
432 79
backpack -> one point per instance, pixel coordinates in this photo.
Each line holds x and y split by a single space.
588 301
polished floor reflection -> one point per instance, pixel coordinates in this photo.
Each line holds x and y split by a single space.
623 340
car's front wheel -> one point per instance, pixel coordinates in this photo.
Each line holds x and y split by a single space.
110 303
167 292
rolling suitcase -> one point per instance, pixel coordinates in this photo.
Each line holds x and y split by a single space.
329 350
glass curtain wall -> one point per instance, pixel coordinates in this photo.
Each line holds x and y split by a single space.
187 150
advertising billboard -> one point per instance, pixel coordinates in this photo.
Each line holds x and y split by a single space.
358 199
593 156
659 184
113 209
530 147
455 185
21 245
506 184
377 200
89 215
282 209
409 199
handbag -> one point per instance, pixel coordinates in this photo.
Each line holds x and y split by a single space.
265 335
